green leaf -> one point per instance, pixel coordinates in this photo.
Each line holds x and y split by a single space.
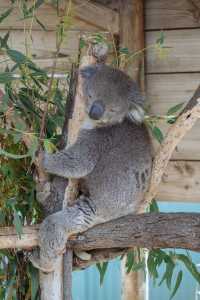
161 39
34 279
6 77
49 146
102 267
19 58
130 258
14 156
41 24
153 207
189 265
4 40
124 50
177 284
82 43
157 133
175 109
5 14
17 223
33 147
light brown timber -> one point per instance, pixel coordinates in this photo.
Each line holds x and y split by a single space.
164 14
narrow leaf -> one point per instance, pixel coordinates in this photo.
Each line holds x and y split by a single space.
14 156
102 270
177 284
17 223
175 108
157 133
6 77
5 14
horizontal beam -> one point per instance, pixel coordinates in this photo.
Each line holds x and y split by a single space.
155 230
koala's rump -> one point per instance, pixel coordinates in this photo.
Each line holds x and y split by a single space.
122 173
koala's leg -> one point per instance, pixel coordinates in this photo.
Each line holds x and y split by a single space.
56 229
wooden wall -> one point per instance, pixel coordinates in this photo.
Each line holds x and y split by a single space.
173 79
169 80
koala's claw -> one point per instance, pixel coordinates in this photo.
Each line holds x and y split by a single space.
35 260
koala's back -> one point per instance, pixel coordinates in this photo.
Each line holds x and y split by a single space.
121 176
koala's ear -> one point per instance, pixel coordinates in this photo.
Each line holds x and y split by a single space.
136 113
136 104
88 71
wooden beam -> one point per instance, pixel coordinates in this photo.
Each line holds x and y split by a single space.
155 230
131 15
164 14
132 37
87 17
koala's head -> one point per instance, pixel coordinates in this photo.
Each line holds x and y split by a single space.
110 95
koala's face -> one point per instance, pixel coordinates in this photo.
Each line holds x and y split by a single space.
110 94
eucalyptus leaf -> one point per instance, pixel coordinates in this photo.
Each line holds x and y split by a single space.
102 267
174 109
34 279
14 156
6 77
157 133
177 284
5 14
17 223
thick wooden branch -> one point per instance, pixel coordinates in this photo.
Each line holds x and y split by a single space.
150 230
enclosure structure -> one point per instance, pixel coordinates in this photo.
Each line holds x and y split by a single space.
170 77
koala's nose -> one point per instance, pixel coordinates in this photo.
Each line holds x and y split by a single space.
96 110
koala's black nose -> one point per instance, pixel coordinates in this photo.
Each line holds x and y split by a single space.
96 110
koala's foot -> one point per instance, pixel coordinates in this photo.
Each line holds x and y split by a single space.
52 241
56 228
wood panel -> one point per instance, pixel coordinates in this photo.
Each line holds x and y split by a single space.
166 91
181 182
181 55
42 48
165 14
87 16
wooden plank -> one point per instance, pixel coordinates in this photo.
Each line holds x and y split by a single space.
42 48
132 37
182 54
181 182
87 16
164 14
166 91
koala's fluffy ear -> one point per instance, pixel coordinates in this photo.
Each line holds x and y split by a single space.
88 71
136 108
136 113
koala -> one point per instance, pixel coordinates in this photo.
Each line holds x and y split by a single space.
112 157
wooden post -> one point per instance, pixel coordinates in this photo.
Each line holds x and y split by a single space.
132 37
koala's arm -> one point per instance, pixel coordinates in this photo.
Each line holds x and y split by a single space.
75 161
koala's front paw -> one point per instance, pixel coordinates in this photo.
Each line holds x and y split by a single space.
52 242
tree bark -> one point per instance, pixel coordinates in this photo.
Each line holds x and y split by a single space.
149 230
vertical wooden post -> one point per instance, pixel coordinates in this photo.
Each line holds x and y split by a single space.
132 37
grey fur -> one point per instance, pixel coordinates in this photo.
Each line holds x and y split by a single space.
112 157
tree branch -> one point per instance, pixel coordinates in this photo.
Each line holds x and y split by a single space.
150 230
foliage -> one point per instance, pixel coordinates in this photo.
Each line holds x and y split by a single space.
27 93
